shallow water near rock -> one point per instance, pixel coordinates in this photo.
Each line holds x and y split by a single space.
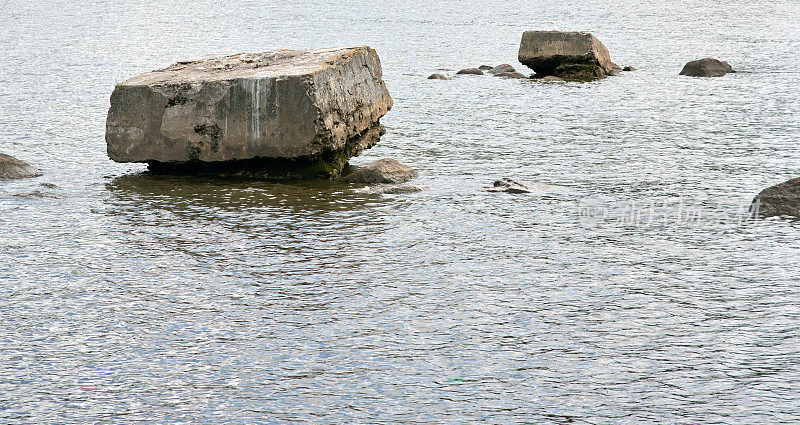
645 294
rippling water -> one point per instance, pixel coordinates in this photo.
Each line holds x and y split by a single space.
638 292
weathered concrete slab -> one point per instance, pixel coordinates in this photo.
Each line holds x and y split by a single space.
545 51
302 106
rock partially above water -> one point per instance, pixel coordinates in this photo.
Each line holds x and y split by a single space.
470 71
707 67
283 113
510 75
484 67
392 189
13 168
508 185
437 77
779 200
569 55
501 69
385 170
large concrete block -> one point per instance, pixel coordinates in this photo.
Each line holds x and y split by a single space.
544 51
250 112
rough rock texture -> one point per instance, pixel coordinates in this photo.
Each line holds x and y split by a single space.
485 67
385 170
437 77
470 71
569 55
510 75
707 67
781 199
13 168
283 113
500 69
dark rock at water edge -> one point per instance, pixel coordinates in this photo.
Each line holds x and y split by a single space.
485 67
13 168
502 69
437 77
629 68
470 71
579 72
779 200
570 55
385 170
707 67
309 109
510 75
508 185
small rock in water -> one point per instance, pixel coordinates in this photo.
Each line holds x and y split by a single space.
629 68
782 199
548 78
500 69
707 67
470 71
13 168
392 189
510 75
508 185
437 77
484 67
385 170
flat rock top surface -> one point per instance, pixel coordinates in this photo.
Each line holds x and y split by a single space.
275 63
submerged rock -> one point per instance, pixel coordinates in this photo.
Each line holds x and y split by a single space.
510 186
283 113
570 55
501 69
392 189
779 200
385 170
13 168
470 71
547 78
510 75
437 77
707 67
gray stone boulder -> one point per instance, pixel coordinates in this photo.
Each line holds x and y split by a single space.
569 55
385 170
13 168
779 200
707 67
283 113
501 69
470 71
485 67
437 77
